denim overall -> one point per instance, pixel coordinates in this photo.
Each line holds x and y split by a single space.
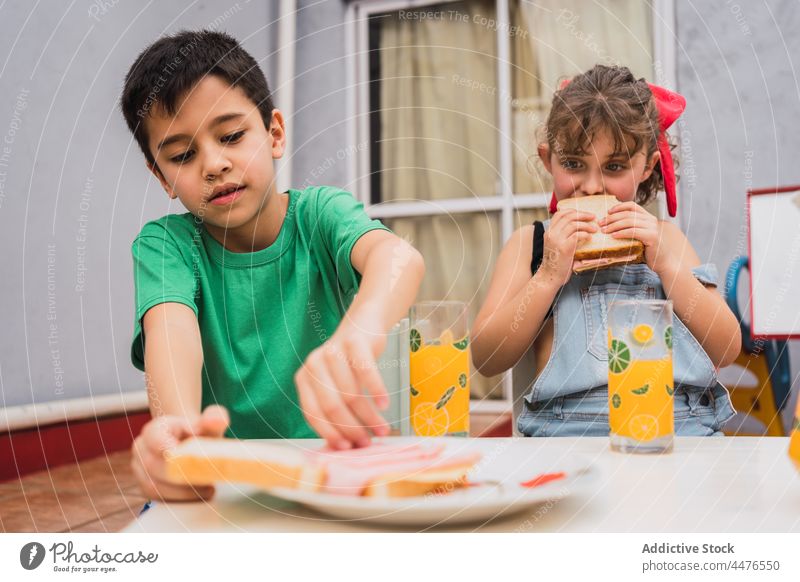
570 396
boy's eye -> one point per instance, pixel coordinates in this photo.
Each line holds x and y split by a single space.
615 167
182 158
570 164
233 137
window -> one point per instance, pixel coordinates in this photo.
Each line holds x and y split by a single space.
447 102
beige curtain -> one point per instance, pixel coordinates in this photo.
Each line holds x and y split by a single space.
438 103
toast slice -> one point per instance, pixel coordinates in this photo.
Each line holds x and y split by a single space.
204 461
381 470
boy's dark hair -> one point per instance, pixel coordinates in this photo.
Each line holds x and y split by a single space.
606 99
171 66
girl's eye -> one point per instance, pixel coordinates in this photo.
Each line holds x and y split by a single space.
182 158
570 164
615 167
233 138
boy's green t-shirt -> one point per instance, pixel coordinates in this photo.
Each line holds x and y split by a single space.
260 314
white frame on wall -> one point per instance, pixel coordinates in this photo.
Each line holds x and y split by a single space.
505 202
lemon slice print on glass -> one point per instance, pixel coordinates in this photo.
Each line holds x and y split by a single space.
643 427
429 420
462 380
416 340
462 343
668 336
642 334
448 394
616 400
619 356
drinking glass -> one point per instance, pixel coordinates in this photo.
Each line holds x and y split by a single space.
439 368
640 382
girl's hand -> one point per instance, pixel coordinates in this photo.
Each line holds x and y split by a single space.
332 381
161 434
629 220
568 229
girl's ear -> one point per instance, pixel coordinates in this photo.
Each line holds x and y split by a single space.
277 131
651 165
164 184
544 155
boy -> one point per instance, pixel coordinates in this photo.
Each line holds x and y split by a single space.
251 293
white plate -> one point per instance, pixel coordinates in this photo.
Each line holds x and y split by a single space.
498 493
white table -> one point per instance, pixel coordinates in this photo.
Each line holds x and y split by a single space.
738 484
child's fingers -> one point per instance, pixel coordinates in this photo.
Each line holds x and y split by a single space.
165 432
623 206
627 215
150 470
333 407
343 373
314 415
154 465
158 489
638 222
367 376
628 233
366 371
213 422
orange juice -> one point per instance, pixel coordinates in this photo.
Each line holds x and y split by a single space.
439 386
794 443
640 400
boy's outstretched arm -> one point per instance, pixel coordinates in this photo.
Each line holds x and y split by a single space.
173 359
339 386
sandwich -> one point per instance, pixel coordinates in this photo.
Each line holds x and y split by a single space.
380 470
602 250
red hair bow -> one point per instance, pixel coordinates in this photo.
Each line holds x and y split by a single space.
670 105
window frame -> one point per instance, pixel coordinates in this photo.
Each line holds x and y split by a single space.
505 203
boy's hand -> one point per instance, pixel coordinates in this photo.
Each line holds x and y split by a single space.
629 220
163 433
332 381
568 228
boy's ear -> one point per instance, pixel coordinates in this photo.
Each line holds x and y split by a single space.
651 165
277 129
544 155
164 184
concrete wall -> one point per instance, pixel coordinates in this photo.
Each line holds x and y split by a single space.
74 190
737 67
319 123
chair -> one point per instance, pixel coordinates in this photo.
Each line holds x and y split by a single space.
767 360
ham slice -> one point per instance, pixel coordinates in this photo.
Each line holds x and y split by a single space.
350 472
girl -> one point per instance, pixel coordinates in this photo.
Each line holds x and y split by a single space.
605 135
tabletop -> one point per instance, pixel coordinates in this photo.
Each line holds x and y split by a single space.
735 484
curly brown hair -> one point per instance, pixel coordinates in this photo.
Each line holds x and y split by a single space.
606 99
